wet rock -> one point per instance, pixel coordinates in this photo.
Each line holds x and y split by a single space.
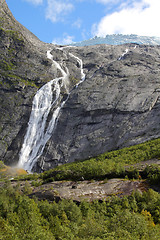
117 105
24 68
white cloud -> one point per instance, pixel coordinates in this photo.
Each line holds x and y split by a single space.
57 9
108 1
140 18
63 41
36 2
77 23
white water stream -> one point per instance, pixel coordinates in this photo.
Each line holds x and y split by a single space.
126 51
81 67
38 131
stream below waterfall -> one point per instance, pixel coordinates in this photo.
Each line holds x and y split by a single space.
39 131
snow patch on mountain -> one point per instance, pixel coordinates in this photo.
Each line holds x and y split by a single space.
118 39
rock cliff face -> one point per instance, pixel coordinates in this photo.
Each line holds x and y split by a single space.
117 105
24 67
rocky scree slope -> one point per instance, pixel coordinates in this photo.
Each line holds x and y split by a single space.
117 105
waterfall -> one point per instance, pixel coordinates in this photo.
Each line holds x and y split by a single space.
121 57
81 67
38 131
37 136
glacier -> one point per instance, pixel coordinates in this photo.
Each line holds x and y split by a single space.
118 39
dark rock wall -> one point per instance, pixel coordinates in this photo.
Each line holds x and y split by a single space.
117 105
24 67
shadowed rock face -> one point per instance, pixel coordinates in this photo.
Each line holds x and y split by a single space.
117 105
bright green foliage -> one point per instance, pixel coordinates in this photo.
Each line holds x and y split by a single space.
134 217
131 217
110 164
21 218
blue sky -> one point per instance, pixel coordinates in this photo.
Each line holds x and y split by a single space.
66 21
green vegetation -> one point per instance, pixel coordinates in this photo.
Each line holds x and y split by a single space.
133 217
7 172
152 174
9 62
5 65
107 165
2 165
14 80
12 33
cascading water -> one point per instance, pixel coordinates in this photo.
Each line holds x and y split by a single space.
121 57
38 132
36 135
81 67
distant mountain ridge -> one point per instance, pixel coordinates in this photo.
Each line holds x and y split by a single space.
118 39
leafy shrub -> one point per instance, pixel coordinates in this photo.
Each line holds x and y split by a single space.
107 165
130 217
152 173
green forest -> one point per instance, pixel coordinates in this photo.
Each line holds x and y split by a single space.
131 217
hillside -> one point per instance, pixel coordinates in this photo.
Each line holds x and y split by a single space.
119 173
64 110
23 69
116 105
120 205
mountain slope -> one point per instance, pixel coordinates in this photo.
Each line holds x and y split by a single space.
117 105
23 68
